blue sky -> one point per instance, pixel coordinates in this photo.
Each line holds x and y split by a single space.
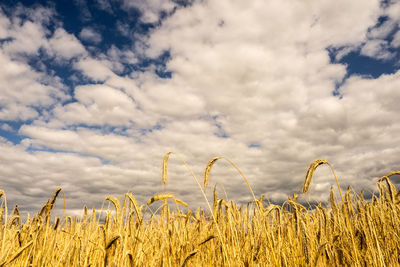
94 93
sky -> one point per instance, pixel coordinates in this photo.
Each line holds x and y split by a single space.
93 94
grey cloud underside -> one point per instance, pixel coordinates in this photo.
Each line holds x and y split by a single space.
257 88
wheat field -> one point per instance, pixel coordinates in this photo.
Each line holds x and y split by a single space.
348 231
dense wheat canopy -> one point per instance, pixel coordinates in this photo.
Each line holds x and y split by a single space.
355 232
93 93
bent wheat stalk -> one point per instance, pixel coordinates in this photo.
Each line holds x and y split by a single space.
208 171
310 173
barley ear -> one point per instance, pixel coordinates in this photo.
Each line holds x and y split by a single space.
310 173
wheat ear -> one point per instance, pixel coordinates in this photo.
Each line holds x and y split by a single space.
310 173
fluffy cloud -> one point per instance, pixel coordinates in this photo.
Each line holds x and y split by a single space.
6 127
26 39
151 9
376 45
100 105
396 40
66 45
90 35
4 25
97 70
253 82
377 49
23 89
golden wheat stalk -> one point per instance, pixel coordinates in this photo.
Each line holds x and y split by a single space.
207 171
53 199
16 255
159 197
332 199
135 206
165 168
115 202
112 241
178 201
391 187
194 252
391 174
206 240
310 173
56 223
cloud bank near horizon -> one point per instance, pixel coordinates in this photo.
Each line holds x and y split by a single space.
261 83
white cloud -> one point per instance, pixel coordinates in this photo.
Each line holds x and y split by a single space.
27 38
22 89
396 40
383 30
377 46
90 35
98 70
4 25
393 11
6 127
101 105
150 9
377 49
66 45
257 73
123 56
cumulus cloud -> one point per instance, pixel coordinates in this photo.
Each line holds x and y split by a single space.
150 10
253 82
27 38
23 89
377 49
122 56
101 105
383 30
4 25
95 69
376 45
6 127
396 40
66 45
90 35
